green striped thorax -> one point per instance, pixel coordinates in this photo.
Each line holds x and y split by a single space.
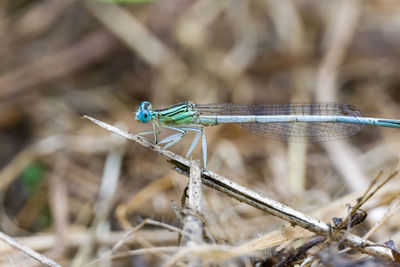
183 113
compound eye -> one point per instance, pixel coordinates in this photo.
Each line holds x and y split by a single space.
144 116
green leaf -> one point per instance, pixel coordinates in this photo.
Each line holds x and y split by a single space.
32 175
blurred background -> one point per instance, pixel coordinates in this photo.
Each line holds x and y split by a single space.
69 189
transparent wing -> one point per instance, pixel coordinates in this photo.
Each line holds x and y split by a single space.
292 131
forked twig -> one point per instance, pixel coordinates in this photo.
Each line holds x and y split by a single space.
254 199
366 196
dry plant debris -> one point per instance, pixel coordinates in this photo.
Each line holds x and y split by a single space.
74 194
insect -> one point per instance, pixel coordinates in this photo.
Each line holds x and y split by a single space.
306 122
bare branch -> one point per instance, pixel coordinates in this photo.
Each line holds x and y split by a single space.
254 199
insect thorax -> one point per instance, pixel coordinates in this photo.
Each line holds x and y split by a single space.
184 113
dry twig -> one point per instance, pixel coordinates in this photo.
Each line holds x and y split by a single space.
28 251
367 195
192 223
252 198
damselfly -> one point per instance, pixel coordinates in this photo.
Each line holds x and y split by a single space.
310 122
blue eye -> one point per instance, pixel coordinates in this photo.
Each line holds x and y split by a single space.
144 116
